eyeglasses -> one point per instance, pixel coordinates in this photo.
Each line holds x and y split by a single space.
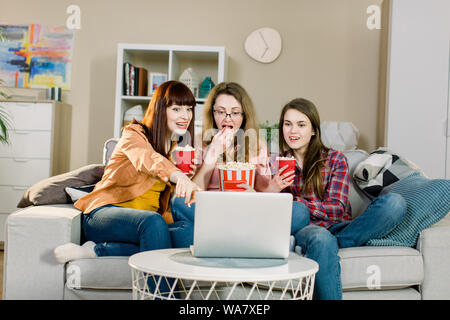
233 115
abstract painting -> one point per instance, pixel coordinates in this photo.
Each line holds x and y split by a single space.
36 56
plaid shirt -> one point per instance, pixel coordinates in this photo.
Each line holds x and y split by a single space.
335 205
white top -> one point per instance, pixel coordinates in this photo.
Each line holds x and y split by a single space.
179 263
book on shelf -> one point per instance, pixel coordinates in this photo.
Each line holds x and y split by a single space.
126 79
132 80
142 82
135 80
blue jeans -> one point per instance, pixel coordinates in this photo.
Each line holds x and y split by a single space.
119 231
322 245
182 213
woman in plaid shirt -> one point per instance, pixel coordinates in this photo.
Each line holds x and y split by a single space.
320 184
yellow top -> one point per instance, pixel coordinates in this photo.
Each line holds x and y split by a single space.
149 200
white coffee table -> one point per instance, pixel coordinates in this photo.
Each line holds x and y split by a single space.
220 278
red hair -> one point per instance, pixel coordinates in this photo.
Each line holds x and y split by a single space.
155 118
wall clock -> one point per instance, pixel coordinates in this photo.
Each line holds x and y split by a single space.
263 45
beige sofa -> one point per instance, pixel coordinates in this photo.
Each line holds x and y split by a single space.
31 271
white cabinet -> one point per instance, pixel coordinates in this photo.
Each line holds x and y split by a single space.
206 61
39 148
418 84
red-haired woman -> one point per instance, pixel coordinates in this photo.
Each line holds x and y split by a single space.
126 211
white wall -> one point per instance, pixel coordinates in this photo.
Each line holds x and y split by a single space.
418 83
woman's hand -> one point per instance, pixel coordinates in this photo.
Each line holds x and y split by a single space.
220 143
185 187
191 173
281 180
193 167
246 187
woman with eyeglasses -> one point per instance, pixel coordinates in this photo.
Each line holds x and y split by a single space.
231 133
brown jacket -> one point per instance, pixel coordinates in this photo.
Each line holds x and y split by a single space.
132 169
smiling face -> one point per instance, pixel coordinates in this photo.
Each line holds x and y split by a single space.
178 119
297 130
228 112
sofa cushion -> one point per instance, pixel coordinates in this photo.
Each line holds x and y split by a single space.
113 273
397 267
51 190
395 294
99 273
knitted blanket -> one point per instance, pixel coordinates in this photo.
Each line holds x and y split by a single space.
427 202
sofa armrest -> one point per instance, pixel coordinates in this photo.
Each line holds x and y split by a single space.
31 235
434 244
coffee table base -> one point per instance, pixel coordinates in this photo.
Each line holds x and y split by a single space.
178 288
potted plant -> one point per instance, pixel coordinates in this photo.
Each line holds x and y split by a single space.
269 137
5 121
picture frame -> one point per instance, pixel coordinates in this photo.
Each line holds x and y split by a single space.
156 79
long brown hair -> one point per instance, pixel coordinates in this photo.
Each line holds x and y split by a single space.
154 122
313 161
249 123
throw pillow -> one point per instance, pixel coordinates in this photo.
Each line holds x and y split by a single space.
381 170
77 193
51 190
108 149
427 202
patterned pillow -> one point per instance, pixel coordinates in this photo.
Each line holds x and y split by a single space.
381 170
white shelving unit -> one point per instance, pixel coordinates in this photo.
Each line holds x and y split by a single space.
206 61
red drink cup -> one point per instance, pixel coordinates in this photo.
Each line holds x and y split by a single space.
184 159
289 162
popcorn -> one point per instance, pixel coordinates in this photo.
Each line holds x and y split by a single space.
233 173
233 165
186 148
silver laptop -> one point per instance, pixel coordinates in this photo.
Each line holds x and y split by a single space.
242 224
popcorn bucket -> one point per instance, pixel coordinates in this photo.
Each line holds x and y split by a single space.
231 177
184 157
283 161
